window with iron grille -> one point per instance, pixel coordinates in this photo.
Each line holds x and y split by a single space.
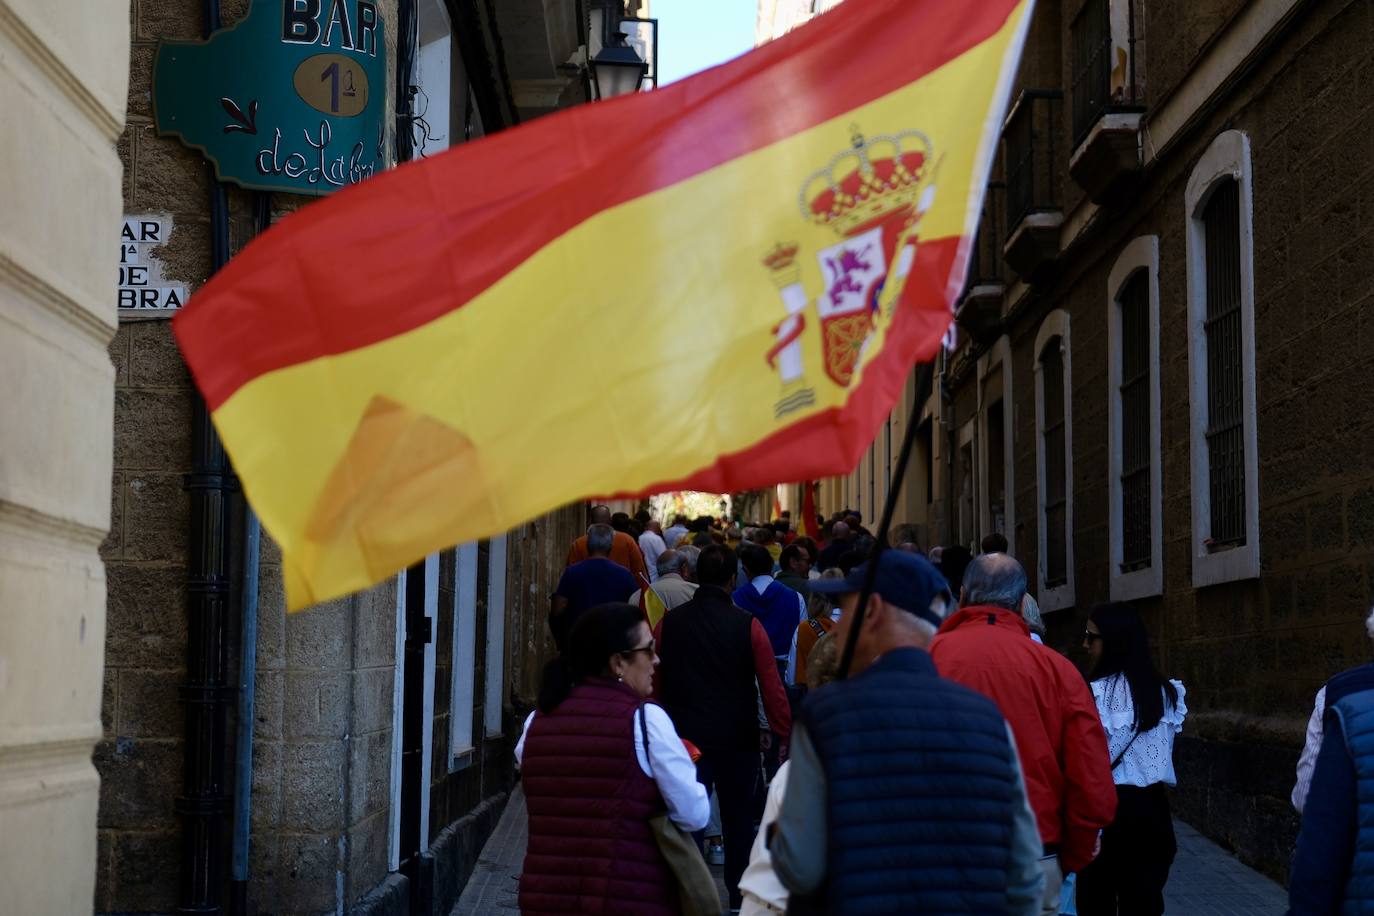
1054 441
1134 392
1225 393
1091 36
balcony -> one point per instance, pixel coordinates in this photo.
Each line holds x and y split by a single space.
1034 208
1107 100
979 310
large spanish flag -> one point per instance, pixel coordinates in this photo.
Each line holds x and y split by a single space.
718 285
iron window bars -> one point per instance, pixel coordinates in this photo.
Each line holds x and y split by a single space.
1135 422
1225 378
1054 436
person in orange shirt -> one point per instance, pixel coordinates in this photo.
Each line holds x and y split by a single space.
624 550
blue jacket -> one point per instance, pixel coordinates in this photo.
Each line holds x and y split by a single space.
1333 868
922 790
779 609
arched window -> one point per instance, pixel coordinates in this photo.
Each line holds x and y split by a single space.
1135 478
1054 462
1221 364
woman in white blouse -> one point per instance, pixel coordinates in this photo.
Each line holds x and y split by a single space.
1141 712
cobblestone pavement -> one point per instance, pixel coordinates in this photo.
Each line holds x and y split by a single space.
1205 880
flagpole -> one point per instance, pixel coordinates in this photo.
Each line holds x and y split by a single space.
923 383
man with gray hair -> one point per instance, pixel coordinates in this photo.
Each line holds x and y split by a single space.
690 554
595 580
1030 612
879 806
672 587
987 646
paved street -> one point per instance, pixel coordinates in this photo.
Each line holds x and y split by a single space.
1205 880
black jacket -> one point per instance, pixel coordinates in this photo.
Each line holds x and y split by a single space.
706 672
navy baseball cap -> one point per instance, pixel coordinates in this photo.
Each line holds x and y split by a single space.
905 579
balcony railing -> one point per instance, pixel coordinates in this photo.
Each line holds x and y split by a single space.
985 267
1032 164
1104 66
980 306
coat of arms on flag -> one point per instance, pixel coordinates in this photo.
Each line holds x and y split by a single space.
873 196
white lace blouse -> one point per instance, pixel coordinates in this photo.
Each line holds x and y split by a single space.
1151 758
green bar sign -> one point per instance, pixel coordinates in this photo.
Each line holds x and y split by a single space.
292 98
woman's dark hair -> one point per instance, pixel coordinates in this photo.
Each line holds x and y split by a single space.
1126 651
597 634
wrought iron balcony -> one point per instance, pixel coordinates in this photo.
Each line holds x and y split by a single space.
979 311
1107 99
1034 208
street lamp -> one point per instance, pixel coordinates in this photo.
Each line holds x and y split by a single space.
618 69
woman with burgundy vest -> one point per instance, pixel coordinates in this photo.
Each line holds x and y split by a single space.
598 761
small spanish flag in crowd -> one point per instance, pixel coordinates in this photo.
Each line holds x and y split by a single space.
717 285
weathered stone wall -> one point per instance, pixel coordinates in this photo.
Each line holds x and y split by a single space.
140 758
321 780
1251 653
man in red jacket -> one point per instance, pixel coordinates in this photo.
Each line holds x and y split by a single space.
987 646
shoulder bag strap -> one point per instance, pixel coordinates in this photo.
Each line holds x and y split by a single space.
1116 762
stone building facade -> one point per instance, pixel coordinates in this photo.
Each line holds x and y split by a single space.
64 68
1157 393
382 723
1184 235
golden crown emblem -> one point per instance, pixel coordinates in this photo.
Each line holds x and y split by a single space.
872 181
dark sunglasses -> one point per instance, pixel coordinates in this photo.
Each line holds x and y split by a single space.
630 652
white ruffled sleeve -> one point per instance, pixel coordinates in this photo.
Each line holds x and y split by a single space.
1175 715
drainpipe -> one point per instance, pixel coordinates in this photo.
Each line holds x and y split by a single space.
248 668
206 693
951 451
243 748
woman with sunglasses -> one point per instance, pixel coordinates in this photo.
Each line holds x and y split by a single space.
1141 713
598 761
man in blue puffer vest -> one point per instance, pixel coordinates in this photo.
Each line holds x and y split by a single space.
905 793
1333 868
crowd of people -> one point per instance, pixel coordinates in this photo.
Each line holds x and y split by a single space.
961 766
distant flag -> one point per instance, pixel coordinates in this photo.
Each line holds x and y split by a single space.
764 249
652 604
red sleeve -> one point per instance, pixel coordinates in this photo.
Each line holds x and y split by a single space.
766 669
1089 793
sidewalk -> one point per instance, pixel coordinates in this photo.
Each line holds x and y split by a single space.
1205 880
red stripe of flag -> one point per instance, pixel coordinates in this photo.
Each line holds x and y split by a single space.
364 265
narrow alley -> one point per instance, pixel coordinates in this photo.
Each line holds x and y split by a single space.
1205 880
